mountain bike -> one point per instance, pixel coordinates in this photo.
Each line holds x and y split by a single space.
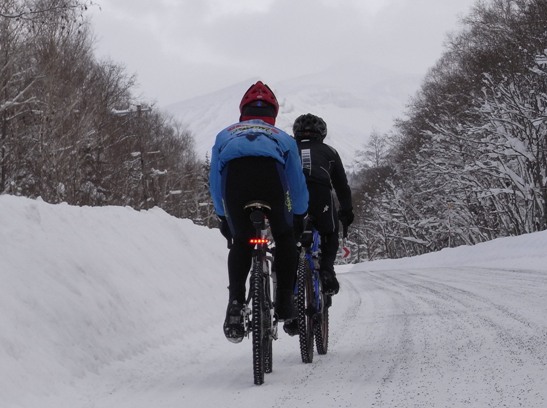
259 309
312 304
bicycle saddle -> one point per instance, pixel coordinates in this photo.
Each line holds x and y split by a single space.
257 205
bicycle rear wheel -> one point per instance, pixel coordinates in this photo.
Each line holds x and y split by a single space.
321 327
304 302
258 317
267 338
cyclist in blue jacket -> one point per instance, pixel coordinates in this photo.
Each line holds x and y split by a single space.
254 160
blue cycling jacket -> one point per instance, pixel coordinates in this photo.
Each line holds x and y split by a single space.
258 138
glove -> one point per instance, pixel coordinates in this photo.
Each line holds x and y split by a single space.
346 217
225 228
298 224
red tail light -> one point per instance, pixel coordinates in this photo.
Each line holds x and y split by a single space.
258 241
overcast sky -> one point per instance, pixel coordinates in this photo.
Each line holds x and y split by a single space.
179 49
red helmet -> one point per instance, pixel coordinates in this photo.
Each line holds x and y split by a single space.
259 92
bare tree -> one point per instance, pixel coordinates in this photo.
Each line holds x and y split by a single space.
470 162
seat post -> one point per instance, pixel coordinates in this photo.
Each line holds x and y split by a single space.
257 218
258 210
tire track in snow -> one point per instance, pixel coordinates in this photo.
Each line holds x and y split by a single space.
488 346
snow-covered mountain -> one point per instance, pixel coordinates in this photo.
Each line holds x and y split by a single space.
354 100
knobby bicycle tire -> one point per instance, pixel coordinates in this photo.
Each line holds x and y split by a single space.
304 301
321 327
258 322
267 337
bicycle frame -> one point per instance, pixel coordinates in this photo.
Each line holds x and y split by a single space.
312 257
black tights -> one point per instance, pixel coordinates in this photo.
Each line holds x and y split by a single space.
258 178
239 264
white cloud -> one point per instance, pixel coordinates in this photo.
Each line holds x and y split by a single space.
370 7
220 8
210 44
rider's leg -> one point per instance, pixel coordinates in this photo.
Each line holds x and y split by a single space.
285 266
329 249
323 209
239 264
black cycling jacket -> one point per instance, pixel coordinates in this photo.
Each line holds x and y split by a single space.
321 164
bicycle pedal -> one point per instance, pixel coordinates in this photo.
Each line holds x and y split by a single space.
328 301
274 332
291 327
311 311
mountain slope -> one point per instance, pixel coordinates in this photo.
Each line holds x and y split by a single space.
353 99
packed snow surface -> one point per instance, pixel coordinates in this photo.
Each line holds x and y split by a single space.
113 308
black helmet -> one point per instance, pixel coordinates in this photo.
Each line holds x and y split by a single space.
309 126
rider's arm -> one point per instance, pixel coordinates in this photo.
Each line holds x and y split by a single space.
297 181
215 182
341 185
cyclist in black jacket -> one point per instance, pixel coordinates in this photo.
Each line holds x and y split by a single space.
324 172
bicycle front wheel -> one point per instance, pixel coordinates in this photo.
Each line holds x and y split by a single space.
304 302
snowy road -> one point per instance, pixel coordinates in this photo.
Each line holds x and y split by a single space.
112 308
399 338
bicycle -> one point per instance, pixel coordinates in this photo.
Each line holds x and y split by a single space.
259 309
312 303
